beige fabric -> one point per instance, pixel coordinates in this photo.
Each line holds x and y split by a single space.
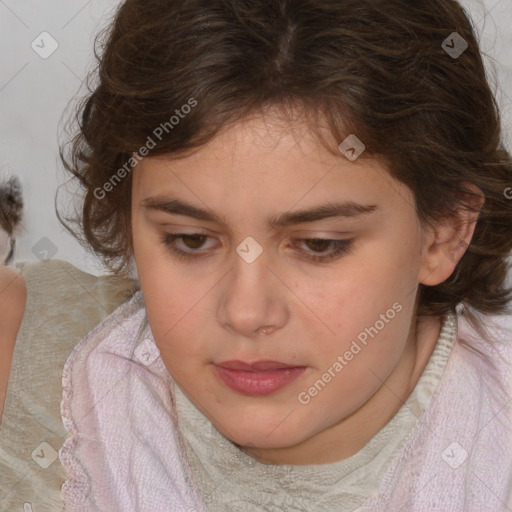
63 305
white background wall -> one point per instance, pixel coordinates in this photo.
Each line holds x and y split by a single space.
34 93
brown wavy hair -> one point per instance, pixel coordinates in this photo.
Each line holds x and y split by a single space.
377 69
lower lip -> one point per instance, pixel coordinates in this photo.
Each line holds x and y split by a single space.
258 383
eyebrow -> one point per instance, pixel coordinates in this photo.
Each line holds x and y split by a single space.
347 209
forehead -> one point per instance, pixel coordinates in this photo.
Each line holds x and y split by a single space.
264 164
266 144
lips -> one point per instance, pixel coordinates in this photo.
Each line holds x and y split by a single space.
258 366
258 378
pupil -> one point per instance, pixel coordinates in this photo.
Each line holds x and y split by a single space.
194 238
315 244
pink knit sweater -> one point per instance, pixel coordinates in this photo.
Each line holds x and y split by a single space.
125 452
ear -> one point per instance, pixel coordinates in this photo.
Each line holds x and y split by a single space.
448 241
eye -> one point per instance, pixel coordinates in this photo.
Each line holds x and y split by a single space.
194 241
320 245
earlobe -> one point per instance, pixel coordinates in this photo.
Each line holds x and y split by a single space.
449 240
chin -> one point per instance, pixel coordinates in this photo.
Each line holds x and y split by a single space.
265 437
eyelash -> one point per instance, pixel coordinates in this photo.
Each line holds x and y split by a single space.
340 247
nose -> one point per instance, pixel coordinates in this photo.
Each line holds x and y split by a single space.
253 300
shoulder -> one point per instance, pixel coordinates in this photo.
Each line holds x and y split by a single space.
13 297
484 355
13 291
487 334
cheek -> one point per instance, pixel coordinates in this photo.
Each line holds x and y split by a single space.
365 308
360 357
172 297
159 289
158 282
354 294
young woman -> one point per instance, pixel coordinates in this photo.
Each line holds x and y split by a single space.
313 195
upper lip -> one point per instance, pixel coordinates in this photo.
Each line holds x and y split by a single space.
256 366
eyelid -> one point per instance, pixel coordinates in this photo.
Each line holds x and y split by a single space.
340 247
317 233
303 235
191 229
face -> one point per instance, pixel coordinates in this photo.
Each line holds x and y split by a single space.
336 293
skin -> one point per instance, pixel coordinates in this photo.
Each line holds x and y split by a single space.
13 297
207 310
